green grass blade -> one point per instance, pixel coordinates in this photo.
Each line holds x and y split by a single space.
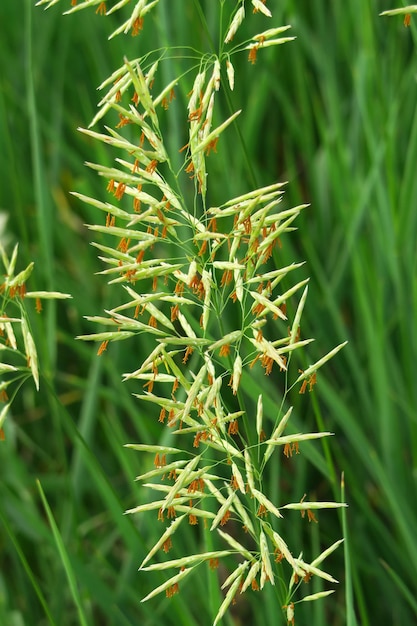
65 559
26 566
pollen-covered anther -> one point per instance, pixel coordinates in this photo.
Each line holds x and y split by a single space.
267 363
172 590
197 438
171 514
130 275
310 515
233 483
110 186
123 244
152 322
21 290
212 225
258 308
196 485
225 518
253 250
149 385
38 305
102 347
308 382
268 252
162 414
174 312
226 277
167 545
175 386
101 9
200 291
252 54
278 555
291 448
212 145
123 121
203 248
214 563
172 418
179 288
312 380
190 168
137 26
225 350
141 139
261 512
247 225
187 354
151 167
192 518
195 116
120 190
161 516
233 428
140 256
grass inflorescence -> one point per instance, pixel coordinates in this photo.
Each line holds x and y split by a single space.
199 281
333 113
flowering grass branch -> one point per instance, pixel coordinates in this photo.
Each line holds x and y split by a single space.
200 280
19 358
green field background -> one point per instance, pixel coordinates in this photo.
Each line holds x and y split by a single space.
334 114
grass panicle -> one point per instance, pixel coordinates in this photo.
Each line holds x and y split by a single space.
331 112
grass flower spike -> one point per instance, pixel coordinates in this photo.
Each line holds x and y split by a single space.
19 357
204 281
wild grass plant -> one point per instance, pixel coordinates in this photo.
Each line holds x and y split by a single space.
19 358
333 113
209 317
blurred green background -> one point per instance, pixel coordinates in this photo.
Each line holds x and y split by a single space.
334 113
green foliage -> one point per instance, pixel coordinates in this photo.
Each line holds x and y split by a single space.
340 125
